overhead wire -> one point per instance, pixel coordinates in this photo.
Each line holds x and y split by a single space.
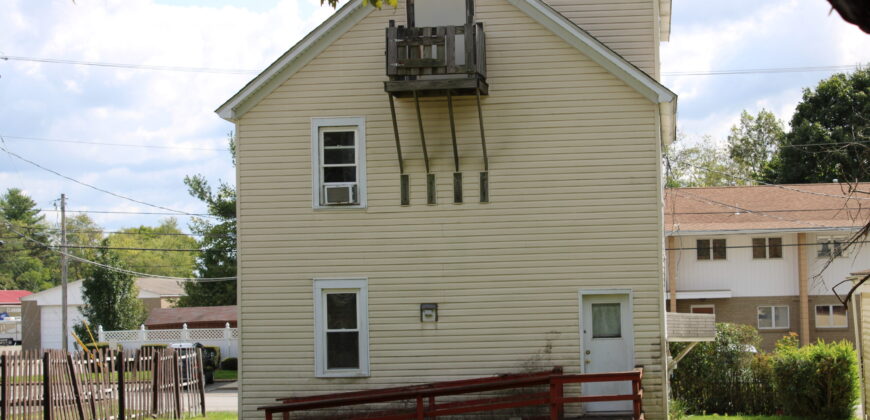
9 152
118 269
101 143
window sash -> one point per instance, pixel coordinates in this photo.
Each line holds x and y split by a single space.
831 316
774 247
339 158
773 317
759 248
703 249
323 148
341 322
719 249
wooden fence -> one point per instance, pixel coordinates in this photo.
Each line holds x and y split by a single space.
107 384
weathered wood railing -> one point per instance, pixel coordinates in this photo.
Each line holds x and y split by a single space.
424 396
442 50
101 385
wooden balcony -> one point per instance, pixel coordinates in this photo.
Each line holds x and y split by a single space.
433 61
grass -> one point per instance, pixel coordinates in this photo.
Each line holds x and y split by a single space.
216 415
718 417
226 375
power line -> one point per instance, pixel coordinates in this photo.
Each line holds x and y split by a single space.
129 66
766 211
760 213
101 143
784 187
760 70
128 248
131 212
118 269
92 186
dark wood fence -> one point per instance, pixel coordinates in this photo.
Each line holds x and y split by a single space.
55 385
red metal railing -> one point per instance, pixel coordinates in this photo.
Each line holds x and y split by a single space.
424 396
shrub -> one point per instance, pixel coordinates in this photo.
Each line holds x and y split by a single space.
98 346
818 381
230 363
725 375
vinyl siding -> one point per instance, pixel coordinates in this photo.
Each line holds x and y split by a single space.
629 27
575 204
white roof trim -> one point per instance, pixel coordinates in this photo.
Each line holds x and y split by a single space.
595 50
294 59
704 294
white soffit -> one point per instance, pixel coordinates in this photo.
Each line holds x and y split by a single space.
294 59
704 294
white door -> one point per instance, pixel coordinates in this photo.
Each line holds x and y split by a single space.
608 346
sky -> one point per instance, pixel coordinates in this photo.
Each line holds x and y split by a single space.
138 132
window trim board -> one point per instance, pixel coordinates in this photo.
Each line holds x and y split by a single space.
356 285
320 122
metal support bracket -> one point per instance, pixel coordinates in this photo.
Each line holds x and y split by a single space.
396 134
422 135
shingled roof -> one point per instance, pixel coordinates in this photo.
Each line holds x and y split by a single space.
799 207
194 317
13 297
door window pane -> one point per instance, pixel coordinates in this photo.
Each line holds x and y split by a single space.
342 350
606 320
341 311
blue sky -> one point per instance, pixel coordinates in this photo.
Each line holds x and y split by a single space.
173 112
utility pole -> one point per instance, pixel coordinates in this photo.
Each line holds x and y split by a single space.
63 273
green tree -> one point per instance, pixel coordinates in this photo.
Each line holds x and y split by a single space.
702 165
24 264
829 137
81 230
165 236
218 242
753 142
111 297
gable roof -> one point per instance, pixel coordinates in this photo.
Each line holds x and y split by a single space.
763 208
353 12
13 297
148 288
191 315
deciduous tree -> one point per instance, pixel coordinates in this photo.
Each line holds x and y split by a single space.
753 143
111 297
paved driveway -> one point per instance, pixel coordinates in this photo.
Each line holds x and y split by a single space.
222 396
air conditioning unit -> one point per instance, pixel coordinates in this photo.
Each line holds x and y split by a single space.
340 194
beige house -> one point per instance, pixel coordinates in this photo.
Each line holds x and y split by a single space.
488 201
761 256
42 312
860 302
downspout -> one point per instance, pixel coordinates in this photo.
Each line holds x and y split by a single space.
803 287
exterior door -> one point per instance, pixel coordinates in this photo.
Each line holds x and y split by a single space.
608 346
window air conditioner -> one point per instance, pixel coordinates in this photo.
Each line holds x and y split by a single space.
339 194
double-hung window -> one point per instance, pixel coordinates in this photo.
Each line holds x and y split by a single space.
772 317
711 249
341 345
831 316
763 248
338 161
831 246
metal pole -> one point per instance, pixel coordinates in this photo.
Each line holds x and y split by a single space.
63 273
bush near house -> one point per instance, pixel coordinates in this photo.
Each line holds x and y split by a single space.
230 363
726 375
818 381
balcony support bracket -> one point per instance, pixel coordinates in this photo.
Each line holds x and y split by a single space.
422 135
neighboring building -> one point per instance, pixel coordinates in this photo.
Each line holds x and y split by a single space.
758 255
10 302
368 265
42 312
861 301
194 317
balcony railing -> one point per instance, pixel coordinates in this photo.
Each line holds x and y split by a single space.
433 59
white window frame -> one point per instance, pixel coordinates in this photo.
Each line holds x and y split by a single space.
830 314
357 124
321 288
766 248
712 253
773 317
711 306
839 238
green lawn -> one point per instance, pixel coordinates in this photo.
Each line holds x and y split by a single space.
718 417
226 375
217 415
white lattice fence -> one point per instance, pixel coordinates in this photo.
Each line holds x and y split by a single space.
226 338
